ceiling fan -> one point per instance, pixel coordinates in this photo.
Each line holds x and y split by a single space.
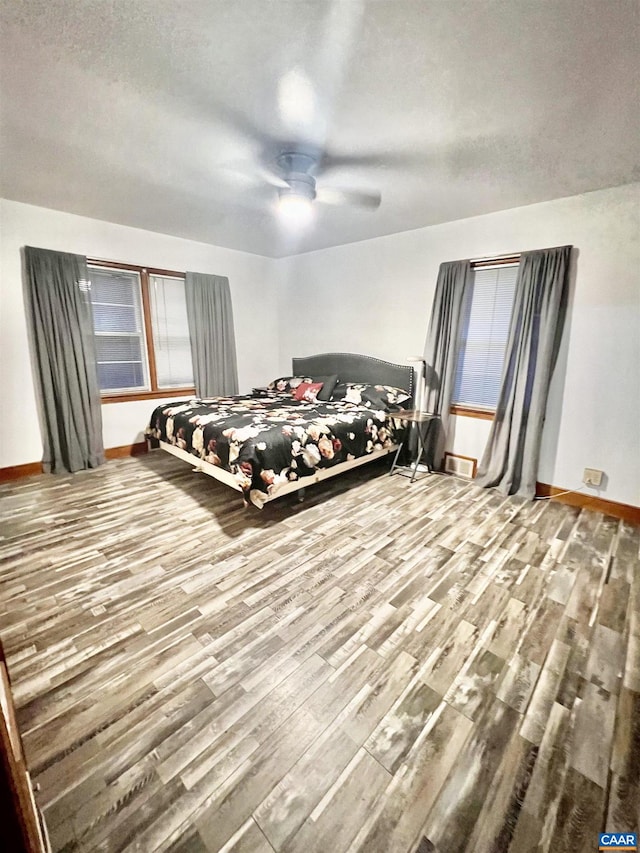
295 175
297 162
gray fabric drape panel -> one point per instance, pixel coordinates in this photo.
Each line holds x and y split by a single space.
64 360
440 352
510 459
213 342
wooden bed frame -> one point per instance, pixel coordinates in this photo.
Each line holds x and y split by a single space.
350 367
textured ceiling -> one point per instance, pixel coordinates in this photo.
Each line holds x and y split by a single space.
157 114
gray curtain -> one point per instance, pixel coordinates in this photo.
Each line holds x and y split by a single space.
440 352
510 460
64 360
213 343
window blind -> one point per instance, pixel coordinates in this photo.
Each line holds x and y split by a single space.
119 329
483 337
172 347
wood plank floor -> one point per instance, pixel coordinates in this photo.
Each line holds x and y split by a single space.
385 667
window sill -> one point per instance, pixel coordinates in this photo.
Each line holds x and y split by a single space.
167 394
470 412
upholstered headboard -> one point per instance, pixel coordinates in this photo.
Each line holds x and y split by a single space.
351 367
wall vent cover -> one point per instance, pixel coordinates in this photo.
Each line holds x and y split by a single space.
461 466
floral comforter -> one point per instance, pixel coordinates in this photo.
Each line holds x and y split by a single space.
270 440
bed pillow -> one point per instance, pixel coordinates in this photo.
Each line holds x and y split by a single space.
383 397
308 391
287 384
328 384
348 392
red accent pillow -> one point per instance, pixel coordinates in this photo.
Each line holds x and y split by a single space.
308 391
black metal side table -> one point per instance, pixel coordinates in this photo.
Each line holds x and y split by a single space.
423 421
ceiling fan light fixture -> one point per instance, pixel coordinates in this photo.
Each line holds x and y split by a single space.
295 209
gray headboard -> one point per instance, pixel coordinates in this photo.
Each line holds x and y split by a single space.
351 367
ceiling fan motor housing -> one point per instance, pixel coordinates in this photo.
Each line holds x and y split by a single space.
295 170
303 186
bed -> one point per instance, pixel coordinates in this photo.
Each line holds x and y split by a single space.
333 413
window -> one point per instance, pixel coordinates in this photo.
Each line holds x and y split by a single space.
141 331
483 337
116 296
171 341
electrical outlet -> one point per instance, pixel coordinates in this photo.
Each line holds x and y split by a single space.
592 477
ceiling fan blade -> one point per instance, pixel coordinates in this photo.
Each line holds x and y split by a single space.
360 198
247 174
380 159
270 177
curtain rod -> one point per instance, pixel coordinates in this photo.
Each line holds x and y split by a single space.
100 262
513 255
492 259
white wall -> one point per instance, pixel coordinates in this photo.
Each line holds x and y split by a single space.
253 291
375 297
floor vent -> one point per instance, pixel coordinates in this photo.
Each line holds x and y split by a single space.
461 466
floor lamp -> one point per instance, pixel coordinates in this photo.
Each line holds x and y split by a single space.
419 399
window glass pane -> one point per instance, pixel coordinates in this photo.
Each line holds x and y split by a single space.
483 337
114 318
113 287
171 341
115 348
121 376
118 323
